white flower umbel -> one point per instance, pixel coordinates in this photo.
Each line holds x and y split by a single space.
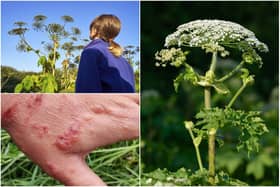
214 35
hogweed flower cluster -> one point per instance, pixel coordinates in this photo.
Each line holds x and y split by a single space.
218 36
217 32
175 56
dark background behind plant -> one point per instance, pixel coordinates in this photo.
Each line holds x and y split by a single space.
166 143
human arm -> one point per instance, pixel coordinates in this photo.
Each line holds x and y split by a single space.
58 131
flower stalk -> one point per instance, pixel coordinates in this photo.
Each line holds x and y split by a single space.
230 74
196 143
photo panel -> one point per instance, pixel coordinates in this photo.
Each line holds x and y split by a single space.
70 46
209 93
70 102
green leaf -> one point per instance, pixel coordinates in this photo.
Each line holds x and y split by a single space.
49 84
18 88
255 168
223 161
177 81
266 159
57 55
189 74
28 82
42 61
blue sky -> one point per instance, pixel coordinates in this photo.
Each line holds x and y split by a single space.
83 13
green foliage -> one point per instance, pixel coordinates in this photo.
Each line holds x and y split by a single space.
257 166
11 77
223 161
45 83
176 146
189 74
183 177
250 124
42 61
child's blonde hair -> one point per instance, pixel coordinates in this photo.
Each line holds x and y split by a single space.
107 28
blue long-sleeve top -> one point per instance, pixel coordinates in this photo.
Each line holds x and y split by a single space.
100 71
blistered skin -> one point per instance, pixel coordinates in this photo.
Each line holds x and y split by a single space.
68 138
57 131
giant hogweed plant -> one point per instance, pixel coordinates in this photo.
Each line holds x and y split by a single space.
218 38
48 56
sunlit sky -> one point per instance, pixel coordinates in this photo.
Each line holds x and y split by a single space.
83 13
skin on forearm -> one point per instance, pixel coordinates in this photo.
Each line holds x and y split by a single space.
57 131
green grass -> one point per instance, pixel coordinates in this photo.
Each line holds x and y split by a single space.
117 165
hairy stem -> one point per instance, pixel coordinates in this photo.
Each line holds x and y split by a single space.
196 149
236 95
230 74
212 132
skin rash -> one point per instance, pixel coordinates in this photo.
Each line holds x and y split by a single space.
57 131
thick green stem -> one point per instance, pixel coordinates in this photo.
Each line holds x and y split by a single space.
230 74
211 155
212 131
196 146
207 97
236 95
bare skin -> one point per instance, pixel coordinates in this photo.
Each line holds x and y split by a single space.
57 131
